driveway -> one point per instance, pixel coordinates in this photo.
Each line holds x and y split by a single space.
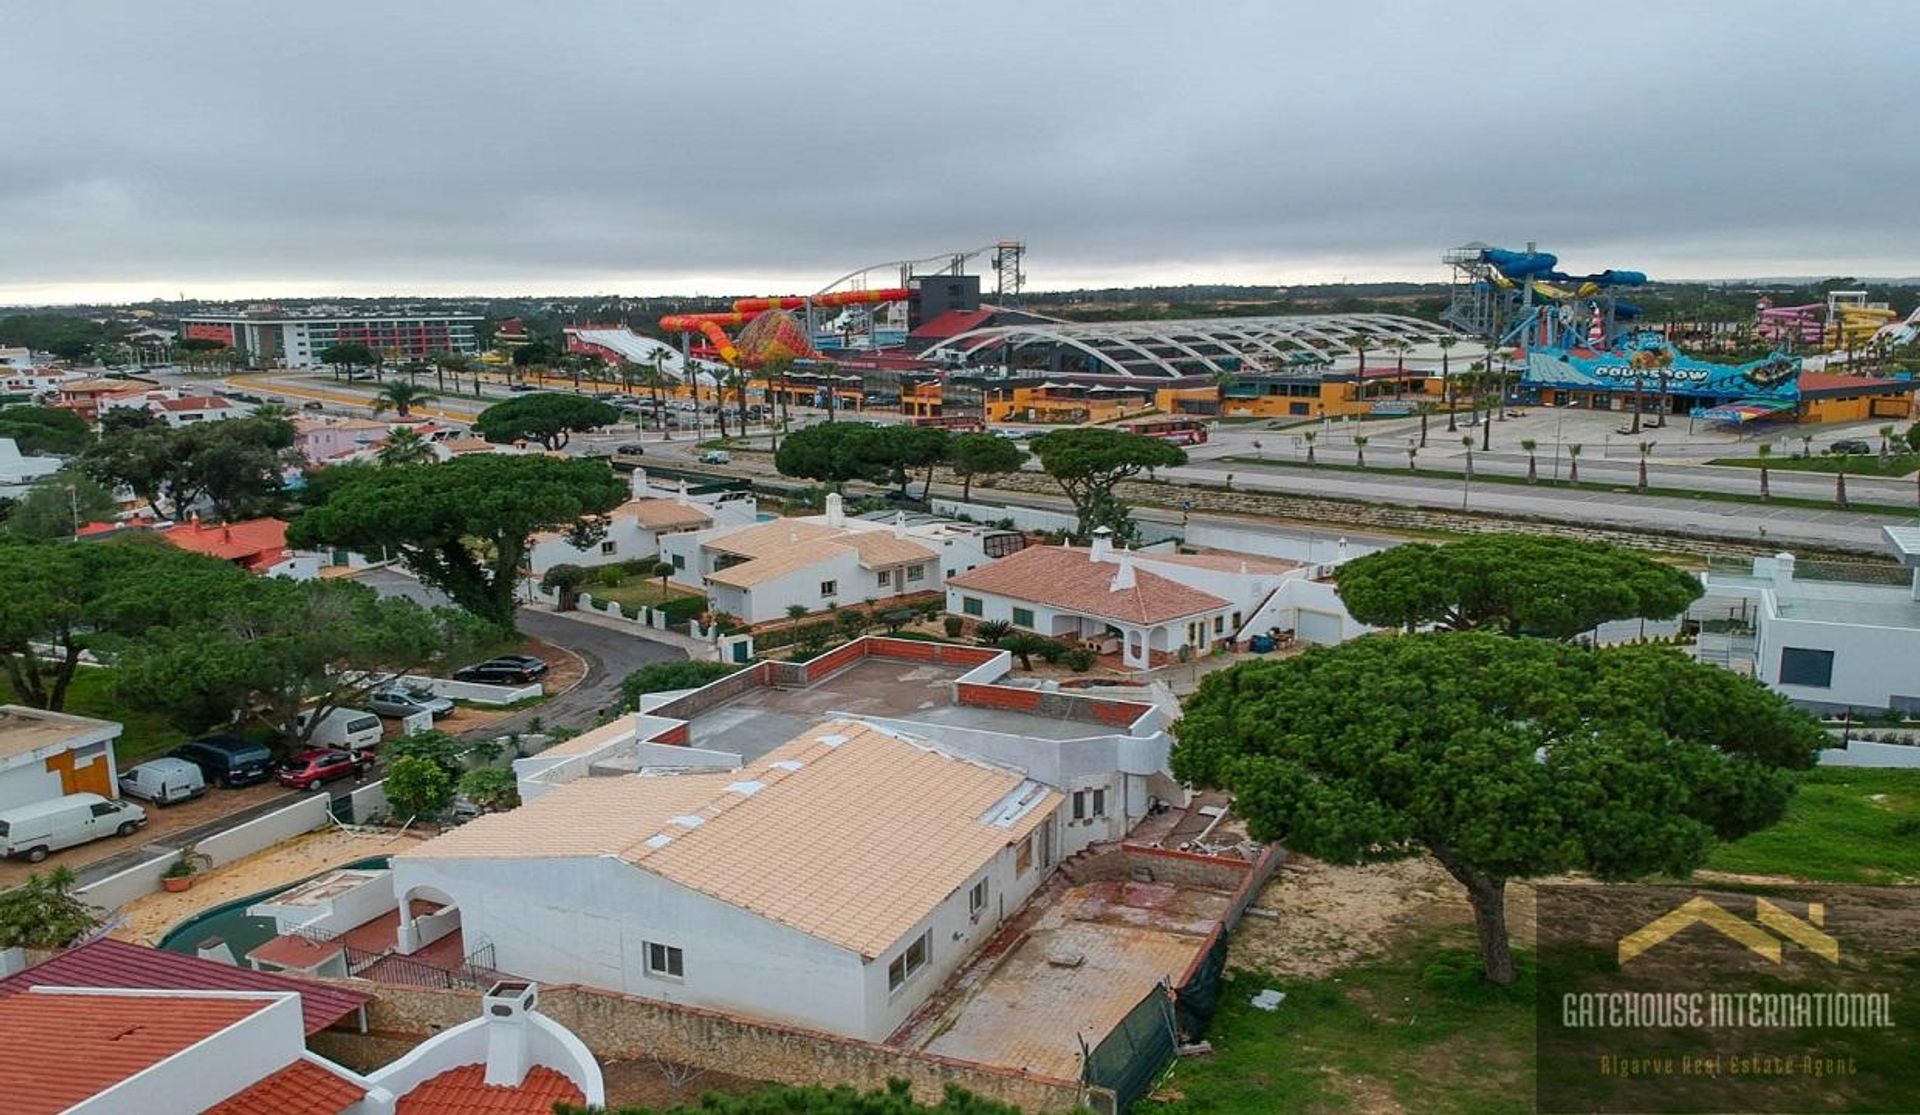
610 656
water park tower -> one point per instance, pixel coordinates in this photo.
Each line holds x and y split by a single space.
1522 298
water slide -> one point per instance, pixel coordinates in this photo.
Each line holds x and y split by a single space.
713 326
631 346
1897 333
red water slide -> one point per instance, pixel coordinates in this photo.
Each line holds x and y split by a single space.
746 309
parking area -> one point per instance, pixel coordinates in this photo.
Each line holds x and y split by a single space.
161 822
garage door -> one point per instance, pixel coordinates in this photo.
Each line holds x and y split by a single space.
1317 627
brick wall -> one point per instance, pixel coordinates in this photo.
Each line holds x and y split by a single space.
1039 702
626 1027
1164 865
714 693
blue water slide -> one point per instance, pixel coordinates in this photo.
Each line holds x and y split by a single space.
1626 310
1610 277
1516 265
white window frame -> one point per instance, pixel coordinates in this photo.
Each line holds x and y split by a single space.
977 899
916 572
906 967
671 957
829 589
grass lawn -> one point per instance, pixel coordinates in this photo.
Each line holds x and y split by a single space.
1846 825
91 694
1898 464
637 592
1413 1030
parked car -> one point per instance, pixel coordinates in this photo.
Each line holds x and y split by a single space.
227 760
400 702
506 670
522 387
311 768
347 728
629 455
33 831
1850 445
163 781
313 405
716 457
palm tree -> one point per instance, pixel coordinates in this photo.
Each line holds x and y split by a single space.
1310 437
1886 438
741 380
1840 481
1662 366
272 410
1806 445
1763 450
1424 408
1399 346
1573 463
405 447
1530 445
401 398
1411 450
1468 442
1446 377
1641 361
1360 450
1646 450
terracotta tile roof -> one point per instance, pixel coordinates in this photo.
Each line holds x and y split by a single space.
661 514
1067 579
196 402
846 833
458 445
64 1048
588 740
231 541
764 539
116 964
880 548
792 558
302 1088
1223 563
464 1091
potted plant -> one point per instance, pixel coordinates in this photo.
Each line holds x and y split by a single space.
192 862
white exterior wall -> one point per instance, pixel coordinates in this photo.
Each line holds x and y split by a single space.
1871 665
1283 608
28 783
630 540
587 920
953 935
1166 637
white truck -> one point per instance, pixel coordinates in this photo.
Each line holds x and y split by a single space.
33 831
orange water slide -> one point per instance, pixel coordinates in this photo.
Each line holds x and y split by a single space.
745 310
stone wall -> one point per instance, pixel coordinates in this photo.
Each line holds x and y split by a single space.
627 1027
1161 865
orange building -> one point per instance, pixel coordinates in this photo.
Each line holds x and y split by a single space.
45 755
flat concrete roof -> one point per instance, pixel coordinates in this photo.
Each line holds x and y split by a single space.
25 730
759 720
1090 958
1847 602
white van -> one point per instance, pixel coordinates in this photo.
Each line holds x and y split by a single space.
32 831
349 728
164 781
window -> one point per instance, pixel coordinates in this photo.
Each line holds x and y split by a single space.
1089 804
679 561
1219 624
665 960
1801 666
972 606
916 572
1023 859
1023 617
829 588
105 809
977 899
907 963
886 578
609 547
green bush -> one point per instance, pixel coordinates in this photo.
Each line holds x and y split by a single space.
683 608
1052 652
610 575
660 676
418 787
1080 659
639 567
953 625
992 631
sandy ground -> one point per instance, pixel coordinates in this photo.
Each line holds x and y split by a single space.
1327 917
148 919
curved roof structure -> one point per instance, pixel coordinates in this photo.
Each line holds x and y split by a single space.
1199 346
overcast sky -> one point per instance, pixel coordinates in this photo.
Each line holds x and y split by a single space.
265 149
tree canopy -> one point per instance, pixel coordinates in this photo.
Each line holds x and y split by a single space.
43 913
1503 758
659 676
1087 461
461 526
44 430
1521 584
417 788
59 505
548 417
235 464
349 355
266 648
977 455
832 453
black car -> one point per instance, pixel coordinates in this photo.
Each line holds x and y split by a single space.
496 672
1850 446
535 666
227 760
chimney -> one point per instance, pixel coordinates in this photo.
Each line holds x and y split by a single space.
639 483
1782 568
1123 578
216 950
1341 550
1102 548
836 510
509 1054
684 496
899 524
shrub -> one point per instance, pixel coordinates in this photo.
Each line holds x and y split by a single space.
1080 659
1024 645
432 745
610 575
897 618
492 789
641 567
1053 652
418 787
680 609
565 581
660 676
853 622
953 626
42 913
992 631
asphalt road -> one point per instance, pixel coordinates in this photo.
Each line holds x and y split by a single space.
610 656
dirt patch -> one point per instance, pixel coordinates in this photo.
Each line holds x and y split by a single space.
1327 917
148 919
657 1085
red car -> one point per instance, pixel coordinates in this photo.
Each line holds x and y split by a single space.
309 769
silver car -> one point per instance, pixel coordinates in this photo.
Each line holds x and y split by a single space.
401 702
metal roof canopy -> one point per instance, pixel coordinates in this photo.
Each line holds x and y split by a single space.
1906 543
1171 349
